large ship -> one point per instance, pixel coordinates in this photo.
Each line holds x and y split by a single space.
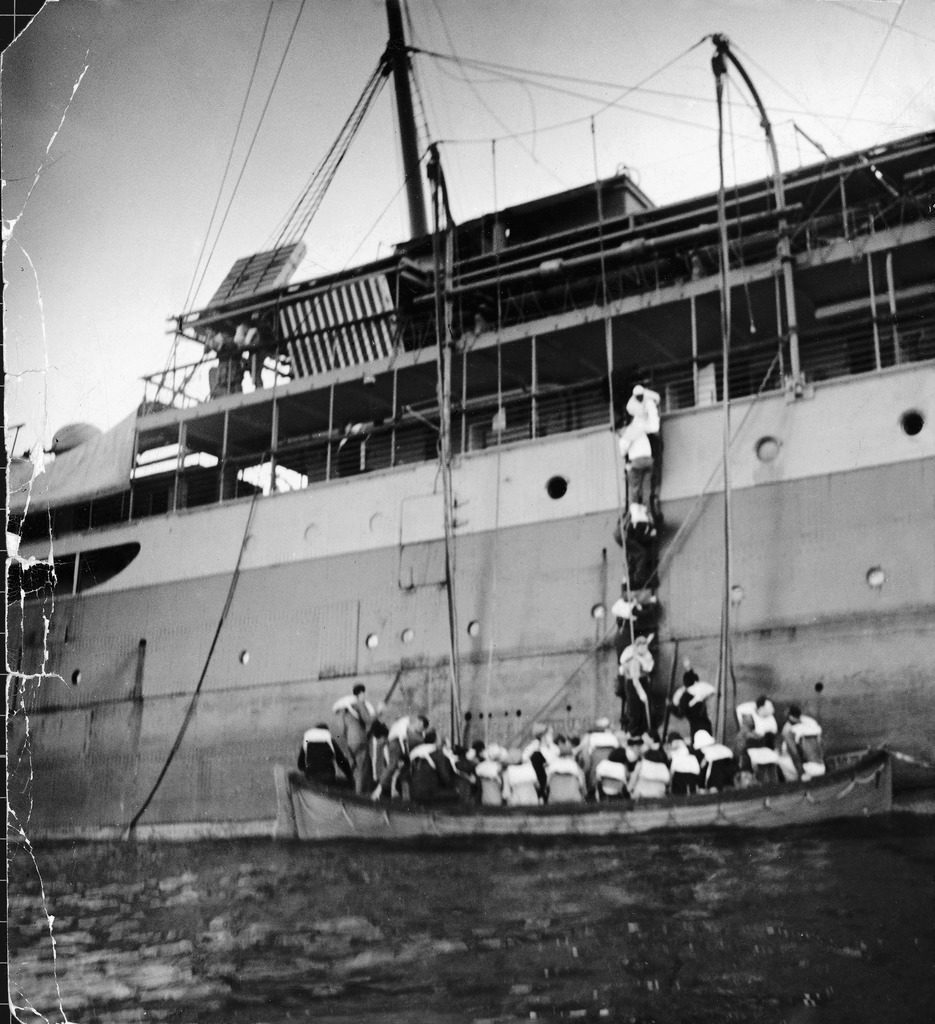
195 587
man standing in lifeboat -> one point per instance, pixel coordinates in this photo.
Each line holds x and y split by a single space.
355 717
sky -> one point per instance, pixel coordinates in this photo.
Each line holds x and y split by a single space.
119 117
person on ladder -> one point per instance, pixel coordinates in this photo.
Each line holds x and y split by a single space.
643 408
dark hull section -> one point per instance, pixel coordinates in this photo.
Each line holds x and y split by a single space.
85 756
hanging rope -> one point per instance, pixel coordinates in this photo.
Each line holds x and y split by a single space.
193 703
299 216
611 411
500 424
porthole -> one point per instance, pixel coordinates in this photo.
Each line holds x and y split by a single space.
556 487
407 636
912 421
473 628
372 641
244 658
876 577
767 448
468 716
76 677
598 612
819 687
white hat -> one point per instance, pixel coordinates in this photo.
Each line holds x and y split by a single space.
638 389
702 739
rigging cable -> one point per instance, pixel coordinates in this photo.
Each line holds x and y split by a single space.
609 356
189 295
253 139
193 702
531 154
296 221
873 64
528 76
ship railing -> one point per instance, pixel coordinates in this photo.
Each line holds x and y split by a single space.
185 385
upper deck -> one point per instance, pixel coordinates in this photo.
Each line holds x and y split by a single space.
558 307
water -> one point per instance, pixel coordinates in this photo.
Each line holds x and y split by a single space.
832 925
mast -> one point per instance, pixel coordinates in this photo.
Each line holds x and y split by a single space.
724 652
444 262
398 60
718 64
722 51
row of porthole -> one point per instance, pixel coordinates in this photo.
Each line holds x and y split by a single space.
876 577
767 448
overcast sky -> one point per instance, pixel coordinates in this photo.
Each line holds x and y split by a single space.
118 117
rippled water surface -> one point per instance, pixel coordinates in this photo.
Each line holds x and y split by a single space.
830 925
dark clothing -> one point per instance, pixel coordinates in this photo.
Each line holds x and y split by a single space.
719 774
696 714
537 760
641 554
432 779
635 710
319 760
684 783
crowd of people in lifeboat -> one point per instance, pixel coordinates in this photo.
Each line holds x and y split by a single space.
409 761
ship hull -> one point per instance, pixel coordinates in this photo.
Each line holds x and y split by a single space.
346 582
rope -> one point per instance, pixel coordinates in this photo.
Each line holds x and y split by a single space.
256 133
663 562
297 220
192 704
908 758
499 432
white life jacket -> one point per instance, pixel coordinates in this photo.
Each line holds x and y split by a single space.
547 748
807 735
762 724
349 704
684 762
700 692
398 729
805 727
611 778
654 771
564 765
611 770
488 769
634 442
641 654
715 752
760 756
603 740
649 780
318 735
645 412
622 609
423 752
